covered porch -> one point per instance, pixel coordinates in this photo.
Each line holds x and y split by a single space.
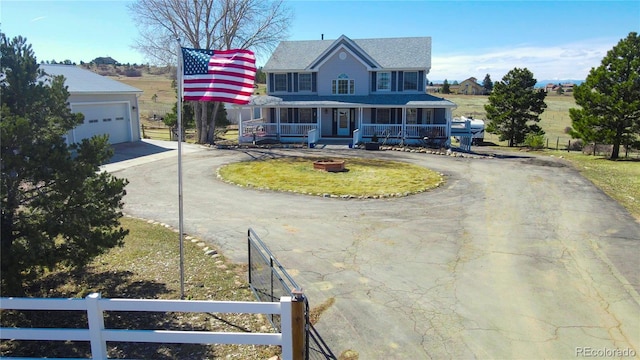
393 119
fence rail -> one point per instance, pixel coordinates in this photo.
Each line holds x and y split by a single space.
98 335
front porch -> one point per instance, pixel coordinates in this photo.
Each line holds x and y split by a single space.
409 120
259 129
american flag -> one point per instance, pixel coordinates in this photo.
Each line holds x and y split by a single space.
218 75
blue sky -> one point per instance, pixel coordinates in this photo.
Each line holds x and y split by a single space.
554 39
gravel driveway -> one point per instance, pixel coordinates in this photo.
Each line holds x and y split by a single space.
514 257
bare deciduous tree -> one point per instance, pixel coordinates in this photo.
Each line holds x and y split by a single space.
257 25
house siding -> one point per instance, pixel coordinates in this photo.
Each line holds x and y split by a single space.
350 66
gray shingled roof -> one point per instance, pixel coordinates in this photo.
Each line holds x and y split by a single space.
84 81
390 53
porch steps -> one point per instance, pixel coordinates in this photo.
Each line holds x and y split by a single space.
335 144
332 146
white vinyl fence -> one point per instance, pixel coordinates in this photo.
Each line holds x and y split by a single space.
98 336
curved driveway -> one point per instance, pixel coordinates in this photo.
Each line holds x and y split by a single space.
515 257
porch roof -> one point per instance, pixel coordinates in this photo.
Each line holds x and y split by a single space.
391 100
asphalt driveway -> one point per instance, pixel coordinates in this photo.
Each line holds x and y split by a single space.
514 257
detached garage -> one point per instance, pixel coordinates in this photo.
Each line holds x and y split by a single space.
109 107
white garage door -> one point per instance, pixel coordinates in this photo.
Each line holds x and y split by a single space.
110 119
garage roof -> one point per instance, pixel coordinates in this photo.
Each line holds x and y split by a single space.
84 81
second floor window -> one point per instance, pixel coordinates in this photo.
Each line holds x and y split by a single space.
280 82
384 81
410 80
343 85
304 82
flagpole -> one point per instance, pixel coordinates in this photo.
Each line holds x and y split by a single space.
179 76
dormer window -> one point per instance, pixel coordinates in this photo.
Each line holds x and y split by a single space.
384 81
343 85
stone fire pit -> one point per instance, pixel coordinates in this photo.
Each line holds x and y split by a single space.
329 165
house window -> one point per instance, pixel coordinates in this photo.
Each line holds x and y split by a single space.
427 116
306 116
383 116
304 82
284 115
383 81
280 82
412 116
343 85
410 81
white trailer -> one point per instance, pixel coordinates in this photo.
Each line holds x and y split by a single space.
477 131
468 125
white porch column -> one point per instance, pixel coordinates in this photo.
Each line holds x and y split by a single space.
404 124
278 121
319 122
448 113
360 121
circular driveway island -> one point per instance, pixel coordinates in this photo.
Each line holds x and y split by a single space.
513 257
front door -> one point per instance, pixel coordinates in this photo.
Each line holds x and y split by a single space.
343 122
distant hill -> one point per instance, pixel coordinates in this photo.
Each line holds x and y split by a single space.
104 61
543 83
539 84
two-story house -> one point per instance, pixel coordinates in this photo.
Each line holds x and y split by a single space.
349 90
471 87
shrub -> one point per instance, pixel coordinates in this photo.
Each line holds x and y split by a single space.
576 145
600 149
534 141
132 72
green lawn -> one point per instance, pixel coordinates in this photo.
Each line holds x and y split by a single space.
363 178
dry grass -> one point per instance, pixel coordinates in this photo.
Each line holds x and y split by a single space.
147 267
150 84
554 120
363 178
317 311
619 179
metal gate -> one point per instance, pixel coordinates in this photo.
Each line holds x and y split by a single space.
269 280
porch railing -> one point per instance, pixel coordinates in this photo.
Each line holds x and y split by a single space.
381 130
262 129
418 131
430 131
303 129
